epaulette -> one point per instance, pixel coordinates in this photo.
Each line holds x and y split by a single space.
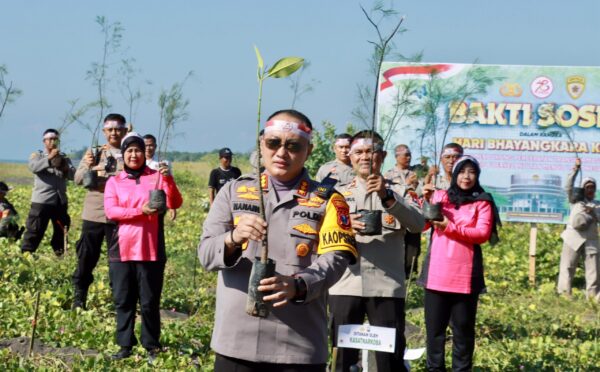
247 176
326 187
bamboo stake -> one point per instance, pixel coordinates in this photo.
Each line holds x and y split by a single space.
33 324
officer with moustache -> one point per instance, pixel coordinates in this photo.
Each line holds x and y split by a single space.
107 161
310 239
375 285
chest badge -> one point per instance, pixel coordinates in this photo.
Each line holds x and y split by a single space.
314 202
305 229
388 219
248 196
247 192
302 249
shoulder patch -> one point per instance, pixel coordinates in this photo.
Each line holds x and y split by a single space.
343 213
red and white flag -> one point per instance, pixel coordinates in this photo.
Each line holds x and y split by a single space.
442 70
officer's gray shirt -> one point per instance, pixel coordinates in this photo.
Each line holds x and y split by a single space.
295 333
582 227
380 270
49 183
339 171
93 204
399 176
441 182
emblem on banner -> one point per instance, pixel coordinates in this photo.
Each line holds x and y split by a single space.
575 86
511 90
542 87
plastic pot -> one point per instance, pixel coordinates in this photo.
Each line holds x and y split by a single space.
372 221
57 161
90 179
577 194
158 200
255 305
432 212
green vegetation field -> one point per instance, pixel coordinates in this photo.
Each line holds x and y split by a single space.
519 328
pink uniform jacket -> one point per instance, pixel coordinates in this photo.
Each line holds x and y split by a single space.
454 261
138 237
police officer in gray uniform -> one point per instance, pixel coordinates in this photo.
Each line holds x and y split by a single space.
450 154
580 238
339 168
374 286
51 170
95 227
311 240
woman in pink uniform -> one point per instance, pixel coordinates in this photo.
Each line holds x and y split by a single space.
137 249
452 273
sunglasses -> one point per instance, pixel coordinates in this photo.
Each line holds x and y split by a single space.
291 146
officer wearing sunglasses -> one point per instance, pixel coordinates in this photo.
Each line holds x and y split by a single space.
310 239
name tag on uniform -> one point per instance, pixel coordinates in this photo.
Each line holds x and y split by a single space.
367 337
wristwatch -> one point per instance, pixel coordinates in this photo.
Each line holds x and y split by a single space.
300 286
389 195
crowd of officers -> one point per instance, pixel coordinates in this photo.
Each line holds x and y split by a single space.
313 229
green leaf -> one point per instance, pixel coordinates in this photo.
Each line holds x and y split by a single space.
259 58
285 67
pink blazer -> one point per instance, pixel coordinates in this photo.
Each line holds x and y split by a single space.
138 237
454 263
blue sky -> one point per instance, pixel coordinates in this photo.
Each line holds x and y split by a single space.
48 46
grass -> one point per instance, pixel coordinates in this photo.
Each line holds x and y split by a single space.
519 327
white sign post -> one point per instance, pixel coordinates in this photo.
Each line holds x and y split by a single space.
367 337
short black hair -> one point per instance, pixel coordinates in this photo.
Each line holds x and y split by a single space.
454 145
51 130
377 139
294 113
343 136
116 117
150 137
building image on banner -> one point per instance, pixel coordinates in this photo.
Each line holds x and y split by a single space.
525 124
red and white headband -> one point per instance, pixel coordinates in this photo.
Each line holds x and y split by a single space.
50 135
342 142
365 142
288 126
113 124
451 151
